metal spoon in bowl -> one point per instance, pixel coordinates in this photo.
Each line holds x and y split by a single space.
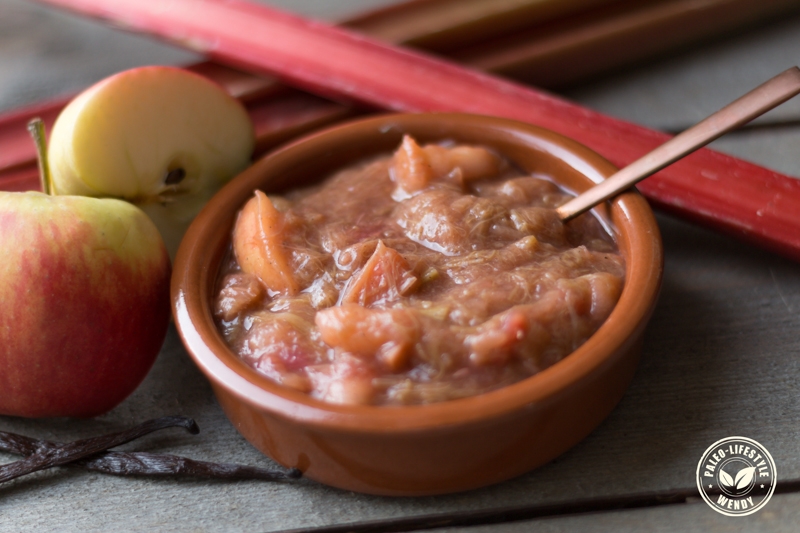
741 111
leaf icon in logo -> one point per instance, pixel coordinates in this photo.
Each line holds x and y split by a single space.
744 477
725 479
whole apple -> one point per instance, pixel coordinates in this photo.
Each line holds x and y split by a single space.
162 138
84 303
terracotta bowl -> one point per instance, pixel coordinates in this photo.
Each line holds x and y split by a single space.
449 446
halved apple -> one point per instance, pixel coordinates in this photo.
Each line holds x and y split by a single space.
162 138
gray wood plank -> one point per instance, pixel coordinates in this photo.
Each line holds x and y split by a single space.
781 515
778 149
720 355
45 53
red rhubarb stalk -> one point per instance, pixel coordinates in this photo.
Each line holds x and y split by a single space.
738 197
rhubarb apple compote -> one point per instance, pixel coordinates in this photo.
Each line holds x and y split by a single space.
435 273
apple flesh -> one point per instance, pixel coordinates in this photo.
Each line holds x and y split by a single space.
162 138
84 303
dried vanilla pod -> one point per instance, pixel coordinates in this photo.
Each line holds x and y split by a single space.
93 454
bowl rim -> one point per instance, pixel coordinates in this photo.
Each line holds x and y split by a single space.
193 317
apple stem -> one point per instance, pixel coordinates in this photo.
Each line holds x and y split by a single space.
37 131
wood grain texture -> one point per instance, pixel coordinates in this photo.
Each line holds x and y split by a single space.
781 515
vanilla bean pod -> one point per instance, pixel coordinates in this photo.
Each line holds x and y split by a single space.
48 457
142 463
18 444
151 464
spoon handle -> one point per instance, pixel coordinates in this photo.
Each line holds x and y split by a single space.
741 111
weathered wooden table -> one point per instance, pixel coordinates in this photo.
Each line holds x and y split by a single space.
720 359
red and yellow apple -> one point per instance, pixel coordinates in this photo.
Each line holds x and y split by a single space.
84 303
162 138
84 282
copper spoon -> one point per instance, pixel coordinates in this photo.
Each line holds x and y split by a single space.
741 111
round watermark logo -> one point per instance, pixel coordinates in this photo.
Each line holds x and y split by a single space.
736 476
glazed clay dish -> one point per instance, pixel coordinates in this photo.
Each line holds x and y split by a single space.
439 447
